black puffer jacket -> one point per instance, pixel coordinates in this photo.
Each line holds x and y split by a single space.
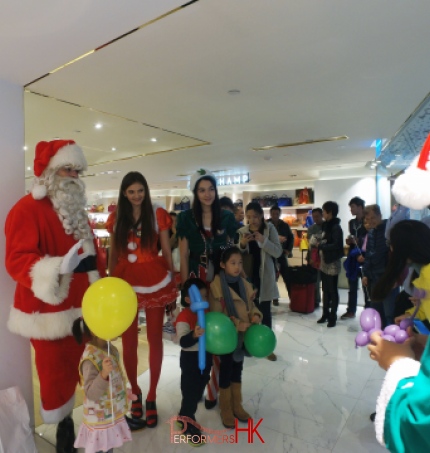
332 241
376 253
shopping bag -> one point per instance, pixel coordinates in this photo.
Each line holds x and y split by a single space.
16 435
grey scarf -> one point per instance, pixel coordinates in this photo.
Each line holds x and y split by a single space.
239 352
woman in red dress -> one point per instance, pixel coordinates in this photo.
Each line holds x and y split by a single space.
136 228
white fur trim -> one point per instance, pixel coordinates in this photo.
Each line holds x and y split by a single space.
68 155
412 189
400 369
56 415
46 282
39 189
43 326
152 289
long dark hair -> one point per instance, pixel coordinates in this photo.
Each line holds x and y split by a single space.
80 331
410 240
216 207
124 214
254 206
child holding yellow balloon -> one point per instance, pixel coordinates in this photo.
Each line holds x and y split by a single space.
234 296
105 425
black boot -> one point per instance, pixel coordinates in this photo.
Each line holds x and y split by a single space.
323 319
66 436
332 320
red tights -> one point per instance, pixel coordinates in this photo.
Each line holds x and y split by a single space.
154 333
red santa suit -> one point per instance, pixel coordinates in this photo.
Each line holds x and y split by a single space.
46 303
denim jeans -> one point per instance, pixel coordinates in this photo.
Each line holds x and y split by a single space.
352 295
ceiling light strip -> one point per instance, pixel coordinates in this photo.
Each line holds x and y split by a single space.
113 41
306 142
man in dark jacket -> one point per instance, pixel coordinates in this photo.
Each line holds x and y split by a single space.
286 239
376 260
357 233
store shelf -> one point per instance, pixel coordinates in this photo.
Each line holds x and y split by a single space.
101 233
103 215
292 208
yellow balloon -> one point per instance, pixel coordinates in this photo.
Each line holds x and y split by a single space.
109 307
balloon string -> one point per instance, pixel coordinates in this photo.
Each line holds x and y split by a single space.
110 388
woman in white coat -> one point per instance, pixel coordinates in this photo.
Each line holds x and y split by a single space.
259 242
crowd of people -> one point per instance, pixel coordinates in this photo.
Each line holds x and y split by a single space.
52 255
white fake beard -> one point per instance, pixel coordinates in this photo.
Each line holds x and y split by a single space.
69 201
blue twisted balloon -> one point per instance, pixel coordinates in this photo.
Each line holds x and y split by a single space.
199 306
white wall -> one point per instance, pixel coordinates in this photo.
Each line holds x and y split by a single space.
15 359
341 191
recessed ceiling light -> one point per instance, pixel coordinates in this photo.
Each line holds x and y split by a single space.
113 149
25 148
98 125
153 139
28 168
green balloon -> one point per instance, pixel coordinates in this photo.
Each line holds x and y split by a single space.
260 341
221 335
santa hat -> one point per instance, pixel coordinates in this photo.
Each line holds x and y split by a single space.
50 156
412 189
198 175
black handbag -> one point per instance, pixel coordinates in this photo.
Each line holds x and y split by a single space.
285 200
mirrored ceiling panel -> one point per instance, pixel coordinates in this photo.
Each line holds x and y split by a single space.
406 144
104 137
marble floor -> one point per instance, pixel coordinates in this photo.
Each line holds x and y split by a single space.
316 398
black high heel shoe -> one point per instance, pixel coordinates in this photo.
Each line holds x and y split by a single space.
137 408
151 414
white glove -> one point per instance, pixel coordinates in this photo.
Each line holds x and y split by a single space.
71 259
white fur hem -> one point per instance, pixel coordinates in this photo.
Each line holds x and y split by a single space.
152 289
46 282
400 369
56 415
43 326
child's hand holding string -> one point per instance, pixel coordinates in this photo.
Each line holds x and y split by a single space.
107 367
242 326
256 319
198 332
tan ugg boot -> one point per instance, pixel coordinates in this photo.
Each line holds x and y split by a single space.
226 410
236 396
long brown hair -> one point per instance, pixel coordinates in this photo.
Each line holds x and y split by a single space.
216 207
124 214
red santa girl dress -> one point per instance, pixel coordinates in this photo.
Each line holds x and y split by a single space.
144 269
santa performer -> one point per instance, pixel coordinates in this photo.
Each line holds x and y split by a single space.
411 189
51 254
